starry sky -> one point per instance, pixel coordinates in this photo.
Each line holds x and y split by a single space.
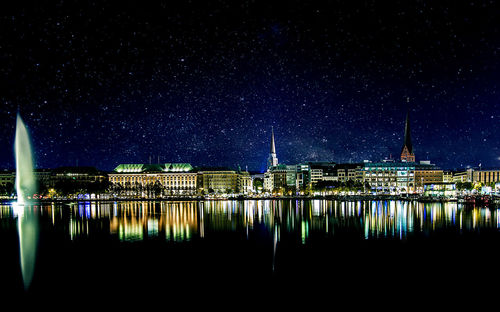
103 83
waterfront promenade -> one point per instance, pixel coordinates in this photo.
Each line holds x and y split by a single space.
492 200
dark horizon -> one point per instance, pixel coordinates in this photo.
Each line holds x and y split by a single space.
203 83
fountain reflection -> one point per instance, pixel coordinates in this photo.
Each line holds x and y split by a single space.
27 225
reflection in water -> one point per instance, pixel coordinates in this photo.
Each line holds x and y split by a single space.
295 222
25 188
184 221
133 221
27 226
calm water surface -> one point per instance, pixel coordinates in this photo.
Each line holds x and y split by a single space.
218 247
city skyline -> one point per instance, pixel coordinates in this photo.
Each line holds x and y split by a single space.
101 85
211 151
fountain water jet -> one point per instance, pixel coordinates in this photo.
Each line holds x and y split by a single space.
25 188
25 179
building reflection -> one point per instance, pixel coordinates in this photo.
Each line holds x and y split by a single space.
132 221
278 219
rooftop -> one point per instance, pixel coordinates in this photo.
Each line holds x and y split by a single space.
212 169
390 164
401 164
141 168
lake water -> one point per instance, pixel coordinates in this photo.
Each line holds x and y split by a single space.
106 249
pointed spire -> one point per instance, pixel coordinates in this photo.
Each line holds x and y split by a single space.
273 147
272 160
407 141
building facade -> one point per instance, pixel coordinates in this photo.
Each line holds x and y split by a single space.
447 176
442 189
461 177
217 180
7 177
427 173
245 183
291 176
275 179
154 180
7 183
302 176
390 177
485 176
73 174
346 172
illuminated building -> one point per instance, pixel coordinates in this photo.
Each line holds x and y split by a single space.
73 174
217 180
316 174
390 177
346 172
7 182
275 178
291 176
303 176
320 170
7 177
153 180
267 184
50 177
461 176
427 173
440 189
485 176
71 181
447 176
407 150
307 174
244 182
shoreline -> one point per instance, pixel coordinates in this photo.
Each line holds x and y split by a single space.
494 199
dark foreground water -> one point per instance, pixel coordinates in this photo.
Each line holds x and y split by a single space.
198 252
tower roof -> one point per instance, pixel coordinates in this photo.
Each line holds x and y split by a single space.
273 147
407 141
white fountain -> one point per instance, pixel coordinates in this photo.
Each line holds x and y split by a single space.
25 187
25 179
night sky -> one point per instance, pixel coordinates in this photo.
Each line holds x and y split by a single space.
202 82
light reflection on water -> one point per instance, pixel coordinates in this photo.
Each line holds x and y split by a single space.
183 221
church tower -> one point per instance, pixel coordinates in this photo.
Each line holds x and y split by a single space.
407 150
272 160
